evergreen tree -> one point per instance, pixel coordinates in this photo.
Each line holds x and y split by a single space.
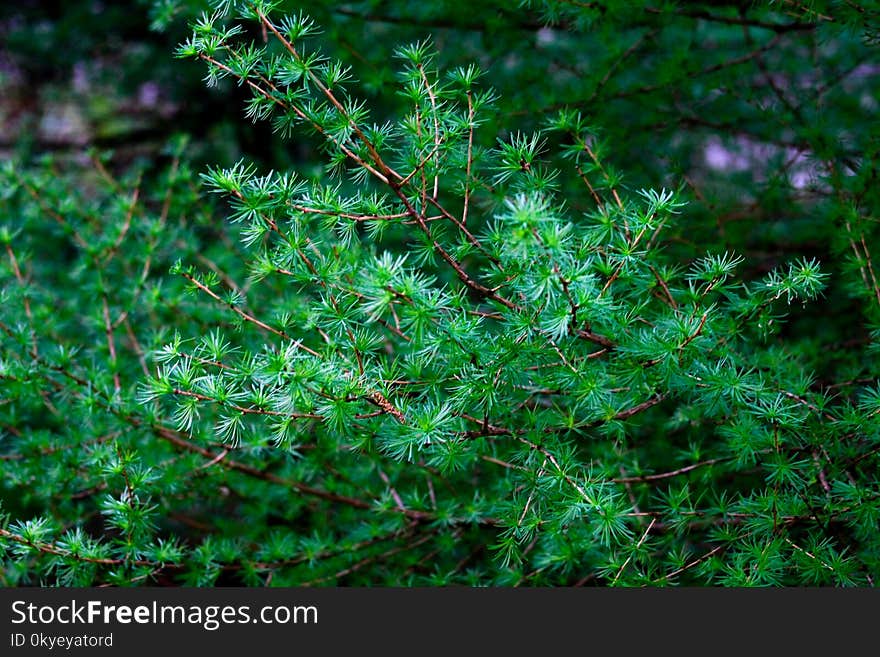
453 343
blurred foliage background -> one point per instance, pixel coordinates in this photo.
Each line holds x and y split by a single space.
751 105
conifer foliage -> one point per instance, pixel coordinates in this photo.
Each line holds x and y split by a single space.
455 354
